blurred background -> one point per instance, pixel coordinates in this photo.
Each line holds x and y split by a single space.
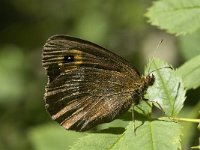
120 26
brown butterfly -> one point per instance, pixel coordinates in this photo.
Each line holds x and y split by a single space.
87 84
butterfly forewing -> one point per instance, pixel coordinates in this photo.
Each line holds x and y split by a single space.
87 84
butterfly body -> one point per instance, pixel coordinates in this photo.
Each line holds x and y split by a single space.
87 84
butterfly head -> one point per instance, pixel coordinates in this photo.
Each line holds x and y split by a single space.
146 81
149 80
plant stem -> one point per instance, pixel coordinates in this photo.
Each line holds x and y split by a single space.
181 119
186 119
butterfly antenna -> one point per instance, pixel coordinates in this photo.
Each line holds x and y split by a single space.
161 41
159 44
160 69
155 51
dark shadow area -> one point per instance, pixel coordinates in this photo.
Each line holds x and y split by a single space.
111 130
193 97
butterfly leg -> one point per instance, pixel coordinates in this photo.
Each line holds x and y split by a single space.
133 119
156 103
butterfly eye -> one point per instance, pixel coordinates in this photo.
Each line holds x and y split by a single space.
68 58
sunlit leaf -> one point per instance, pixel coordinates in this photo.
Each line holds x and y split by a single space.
51 137
175 16
190 72
168 90
150 135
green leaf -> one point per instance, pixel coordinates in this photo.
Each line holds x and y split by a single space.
144 108
168 90
150 135
190 72
189 45
189 129
175 16
51 137
96 142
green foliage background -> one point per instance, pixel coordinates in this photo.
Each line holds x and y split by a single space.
120 26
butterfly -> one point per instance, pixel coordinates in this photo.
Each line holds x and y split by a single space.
88 84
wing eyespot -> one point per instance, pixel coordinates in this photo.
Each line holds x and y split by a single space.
68 59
